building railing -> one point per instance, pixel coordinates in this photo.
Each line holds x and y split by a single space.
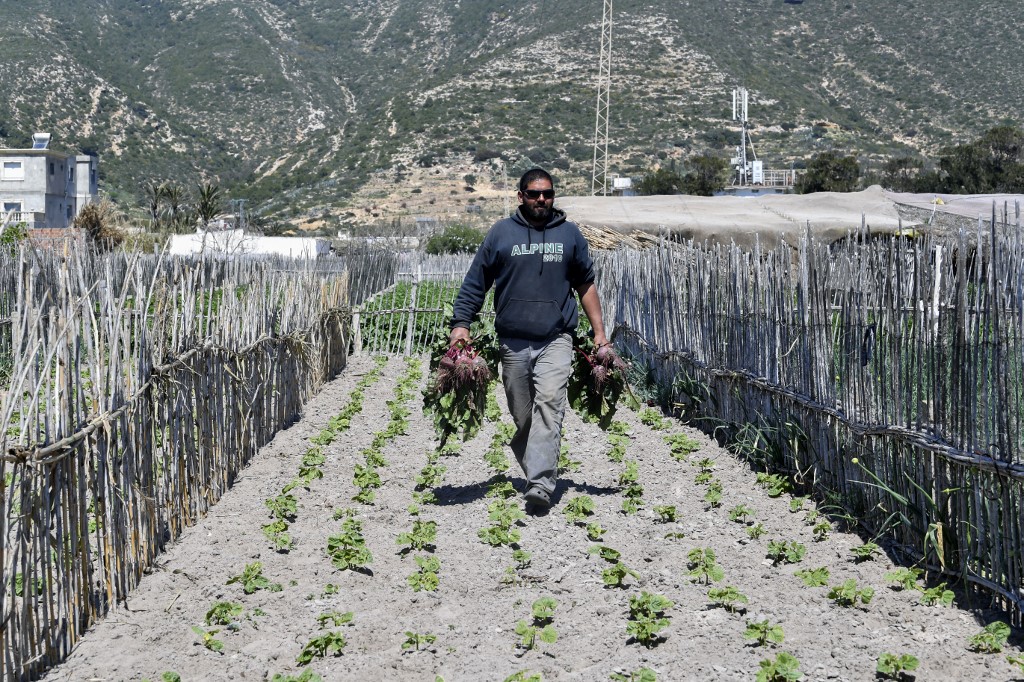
30 219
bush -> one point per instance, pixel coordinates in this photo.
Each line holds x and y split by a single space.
829 172
455 239
101 224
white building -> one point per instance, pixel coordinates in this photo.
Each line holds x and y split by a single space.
44 188
229 243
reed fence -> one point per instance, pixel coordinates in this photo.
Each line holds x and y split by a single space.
887 375
7 288
138 389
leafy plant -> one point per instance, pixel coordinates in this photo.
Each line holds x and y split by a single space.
208 639
784 668
713 496
425 578
347 550
702 565
892 667
774 484
866 552
251 579
498 535
421 537
605 552
821 530
816 577
283 507
597 382
703 478
728 598
504 513
456 395
647 617
502 490
653 418
756 531
543 611
616 575
847 594
521 557
322 646
618 449
905 578
937 595
335 619
595 531
430 476
277 532
416 641
305 676
780 551
223 613
796 504
681 445
1016 660
991 639
740 512
638 675
523 676
578 509
763 632
666 512
567 463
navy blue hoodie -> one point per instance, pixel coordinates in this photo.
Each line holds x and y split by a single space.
534 271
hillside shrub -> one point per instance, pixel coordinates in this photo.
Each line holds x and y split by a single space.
455 239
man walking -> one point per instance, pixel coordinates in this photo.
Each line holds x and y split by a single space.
536 260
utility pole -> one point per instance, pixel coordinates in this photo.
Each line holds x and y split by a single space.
238 207
599 177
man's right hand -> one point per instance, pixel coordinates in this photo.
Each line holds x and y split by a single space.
458 334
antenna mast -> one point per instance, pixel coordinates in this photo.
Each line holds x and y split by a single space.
599 177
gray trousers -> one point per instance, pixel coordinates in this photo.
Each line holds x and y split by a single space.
535 374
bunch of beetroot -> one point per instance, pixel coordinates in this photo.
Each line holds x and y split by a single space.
597 382
456 395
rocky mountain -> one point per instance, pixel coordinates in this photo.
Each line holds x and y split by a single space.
327 112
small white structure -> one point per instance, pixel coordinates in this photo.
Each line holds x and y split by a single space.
230 243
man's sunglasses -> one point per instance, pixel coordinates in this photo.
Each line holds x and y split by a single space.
538 193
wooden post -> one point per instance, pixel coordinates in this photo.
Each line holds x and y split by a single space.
357 334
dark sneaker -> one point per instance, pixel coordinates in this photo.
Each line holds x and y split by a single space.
538 497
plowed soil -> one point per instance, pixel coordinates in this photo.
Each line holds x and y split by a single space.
475 609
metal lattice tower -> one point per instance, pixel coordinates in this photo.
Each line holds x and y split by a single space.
599 178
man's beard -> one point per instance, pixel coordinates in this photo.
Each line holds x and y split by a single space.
539 214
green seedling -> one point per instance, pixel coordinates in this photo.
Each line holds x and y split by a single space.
283 507
170 676
617 428
420 538
497 536
502 490
866 552
740 513
666 513
522 558
605 552
796 504
847 594
425 578
821 530
706 465
347 550
543 611
578 509
675 535
905 578
335 619
893 667
595 531
1016 660
567 463
652 418
703 478
251 579
647 617
713 496
344 513
774 484
366 477
702 565
495 458
729 598
811 517
523 676
413 509
784 668
430 476
208 640
618 449
990 640
277 532
780 551
817 577
638 675
756 531
416 641
631 474
937 596
616 575
327 644
764 632
305 676
681 445
330 590
223 613
632 498
504 513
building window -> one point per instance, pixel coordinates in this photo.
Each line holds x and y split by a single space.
12 206
51 168
13 170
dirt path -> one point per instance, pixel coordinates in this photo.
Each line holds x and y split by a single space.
474 612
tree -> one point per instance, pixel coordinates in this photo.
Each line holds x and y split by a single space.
154 192
455 239
209 203
707 175
829 172
900 174
101 223
660 181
